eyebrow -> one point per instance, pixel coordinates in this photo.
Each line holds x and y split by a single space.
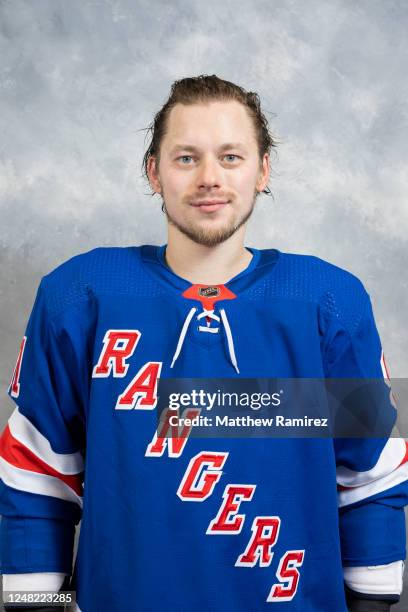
223 147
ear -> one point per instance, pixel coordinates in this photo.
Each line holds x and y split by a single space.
152 173
264 174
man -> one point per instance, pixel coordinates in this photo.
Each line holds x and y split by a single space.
108 324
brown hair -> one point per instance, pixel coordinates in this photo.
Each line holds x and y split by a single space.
201 89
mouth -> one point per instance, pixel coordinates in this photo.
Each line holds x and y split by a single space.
209 205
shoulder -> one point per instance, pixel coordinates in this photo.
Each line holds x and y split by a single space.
314 274
100 270
90 263
337 292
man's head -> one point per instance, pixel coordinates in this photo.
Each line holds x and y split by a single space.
209 157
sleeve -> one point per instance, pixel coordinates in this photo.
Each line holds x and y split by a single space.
372 473
42 450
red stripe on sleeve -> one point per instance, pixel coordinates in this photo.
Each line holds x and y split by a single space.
15 453
405 459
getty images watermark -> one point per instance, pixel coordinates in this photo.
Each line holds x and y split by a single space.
278 407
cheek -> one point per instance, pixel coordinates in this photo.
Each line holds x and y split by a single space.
245 181
176 182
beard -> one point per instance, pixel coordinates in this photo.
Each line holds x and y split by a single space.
207 236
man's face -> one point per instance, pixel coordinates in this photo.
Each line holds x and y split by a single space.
209 172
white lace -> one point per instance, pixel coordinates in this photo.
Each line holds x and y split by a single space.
211 315
209 329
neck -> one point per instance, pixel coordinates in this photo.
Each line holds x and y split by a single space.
200 264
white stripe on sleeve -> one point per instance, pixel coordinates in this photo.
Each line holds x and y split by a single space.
34 482
26 433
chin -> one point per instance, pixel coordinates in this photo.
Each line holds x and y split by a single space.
211 236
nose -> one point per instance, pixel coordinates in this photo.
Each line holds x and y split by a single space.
209 173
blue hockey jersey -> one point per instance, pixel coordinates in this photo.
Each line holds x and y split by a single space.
181 523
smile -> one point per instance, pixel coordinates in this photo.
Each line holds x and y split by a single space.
210 205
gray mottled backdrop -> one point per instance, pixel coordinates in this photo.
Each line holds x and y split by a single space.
80 79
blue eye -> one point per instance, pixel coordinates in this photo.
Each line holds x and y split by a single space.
189 157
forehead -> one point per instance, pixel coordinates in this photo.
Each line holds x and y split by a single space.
209 124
